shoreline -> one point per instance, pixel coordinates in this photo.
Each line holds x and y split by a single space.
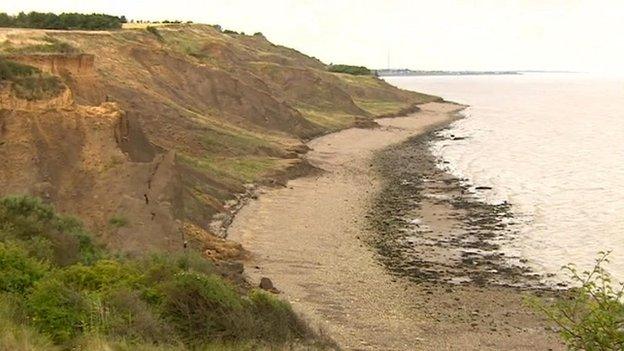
432 227
310 239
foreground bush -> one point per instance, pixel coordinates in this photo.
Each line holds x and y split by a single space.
44 234
65 293
18 272
592 318
202 308
15 334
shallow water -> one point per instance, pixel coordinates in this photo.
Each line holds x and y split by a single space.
553 146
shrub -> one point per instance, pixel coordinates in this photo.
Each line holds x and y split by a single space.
15 335
29 82
159 268
121 304
353 70
10 70
27 220
275 319
593 318
131 318
37 87
201 308
104 275
18 272
57 310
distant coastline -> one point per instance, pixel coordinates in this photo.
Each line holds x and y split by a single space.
397 72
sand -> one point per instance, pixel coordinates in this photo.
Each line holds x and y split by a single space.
309 239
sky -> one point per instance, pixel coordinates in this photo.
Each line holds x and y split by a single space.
578 35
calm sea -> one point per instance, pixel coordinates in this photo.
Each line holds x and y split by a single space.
553 146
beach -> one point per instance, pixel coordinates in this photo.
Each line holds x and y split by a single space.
316 240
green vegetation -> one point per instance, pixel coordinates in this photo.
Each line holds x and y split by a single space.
353 70
10 70
118 221
58 291
378 108
49 45
63 21
29 82
329 120
155 32
221 142
37 87
592 317
244 169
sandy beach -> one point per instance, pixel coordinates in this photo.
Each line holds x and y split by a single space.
311 239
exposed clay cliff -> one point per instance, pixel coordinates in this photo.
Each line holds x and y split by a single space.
164 131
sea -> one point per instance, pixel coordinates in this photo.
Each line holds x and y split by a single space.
551 145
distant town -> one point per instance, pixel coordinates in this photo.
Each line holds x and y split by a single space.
409 72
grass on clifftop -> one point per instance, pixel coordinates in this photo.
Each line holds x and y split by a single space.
28 82
58 291
48 45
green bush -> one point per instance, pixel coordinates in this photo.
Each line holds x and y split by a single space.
10 70
132 319
275 318
15 334
592 318
83 301
18 272
29 82
57 310
27 220
37 87
201 308
102 276
353 70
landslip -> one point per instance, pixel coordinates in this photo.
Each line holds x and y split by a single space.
165 129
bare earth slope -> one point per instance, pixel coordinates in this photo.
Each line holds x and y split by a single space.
164 130
309 239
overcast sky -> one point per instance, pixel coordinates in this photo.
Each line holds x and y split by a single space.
580 35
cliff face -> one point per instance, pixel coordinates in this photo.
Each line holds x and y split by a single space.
164 130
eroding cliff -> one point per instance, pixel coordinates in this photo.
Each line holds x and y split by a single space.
150 136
